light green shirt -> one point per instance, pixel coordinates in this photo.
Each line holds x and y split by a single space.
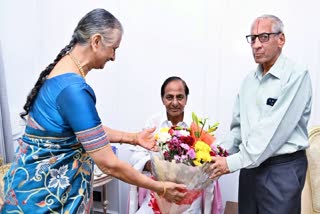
270 115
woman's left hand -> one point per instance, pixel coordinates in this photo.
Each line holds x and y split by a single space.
147 140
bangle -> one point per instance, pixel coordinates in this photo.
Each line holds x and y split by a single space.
164 189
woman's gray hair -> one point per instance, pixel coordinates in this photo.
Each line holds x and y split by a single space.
277 25
96 21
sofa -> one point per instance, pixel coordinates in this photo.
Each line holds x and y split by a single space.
310 203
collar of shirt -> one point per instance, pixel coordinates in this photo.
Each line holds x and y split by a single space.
160 120
274 70
164 122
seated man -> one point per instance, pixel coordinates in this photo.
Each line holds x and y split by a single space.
174 94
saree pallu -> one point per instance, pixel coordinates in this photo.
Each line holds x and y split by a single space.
50 174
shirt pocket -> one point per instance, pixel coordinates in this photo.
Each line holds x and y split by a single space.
269 98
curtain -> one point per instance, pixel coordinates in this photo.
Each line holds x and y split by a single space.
6 142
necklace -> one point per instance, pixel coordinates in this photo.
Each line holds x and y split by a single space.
76 61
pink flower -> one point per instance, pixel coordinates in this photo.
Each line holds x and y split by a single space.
177 133
191 154
184 157
177 158
185 146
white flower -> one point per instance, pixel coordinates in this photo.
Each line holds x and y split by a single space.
59 178
164 137
184 133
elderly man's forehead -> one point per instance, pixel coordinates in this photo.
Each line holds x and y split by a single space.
261 23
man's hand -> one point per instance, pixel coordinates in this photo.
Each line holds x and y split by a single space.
219 166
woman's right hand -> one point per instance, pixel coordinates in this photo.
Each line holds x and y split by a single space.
174 192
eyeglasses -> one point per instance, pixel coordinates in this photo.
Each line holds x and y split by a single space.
263 37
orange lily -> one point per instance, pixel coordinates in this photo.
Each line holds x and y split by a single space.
204 135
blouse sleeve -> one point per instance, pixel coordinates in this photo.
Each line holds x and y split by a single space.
76 104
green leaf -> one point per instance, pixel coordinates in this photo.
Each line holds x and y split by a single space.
212 129
197 134
216 124
195 118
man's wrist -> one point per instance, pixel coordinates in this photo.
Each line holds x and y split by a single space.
234 162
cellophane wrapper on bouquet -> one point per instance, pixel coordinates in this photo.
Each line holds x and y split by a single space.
194 177
184 157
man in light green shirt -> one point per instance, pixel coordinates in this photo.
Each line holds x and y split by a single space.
269 128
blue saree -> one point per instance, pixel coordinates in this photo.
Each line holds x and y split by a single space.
52 170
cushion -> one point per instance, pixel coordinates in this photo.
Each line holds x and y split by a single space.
3 171
313 154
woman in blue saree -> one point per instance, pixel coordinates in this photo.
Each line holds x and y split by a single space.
52 171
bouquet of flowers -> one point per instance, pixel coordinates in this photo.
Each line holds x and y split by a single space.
184 157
